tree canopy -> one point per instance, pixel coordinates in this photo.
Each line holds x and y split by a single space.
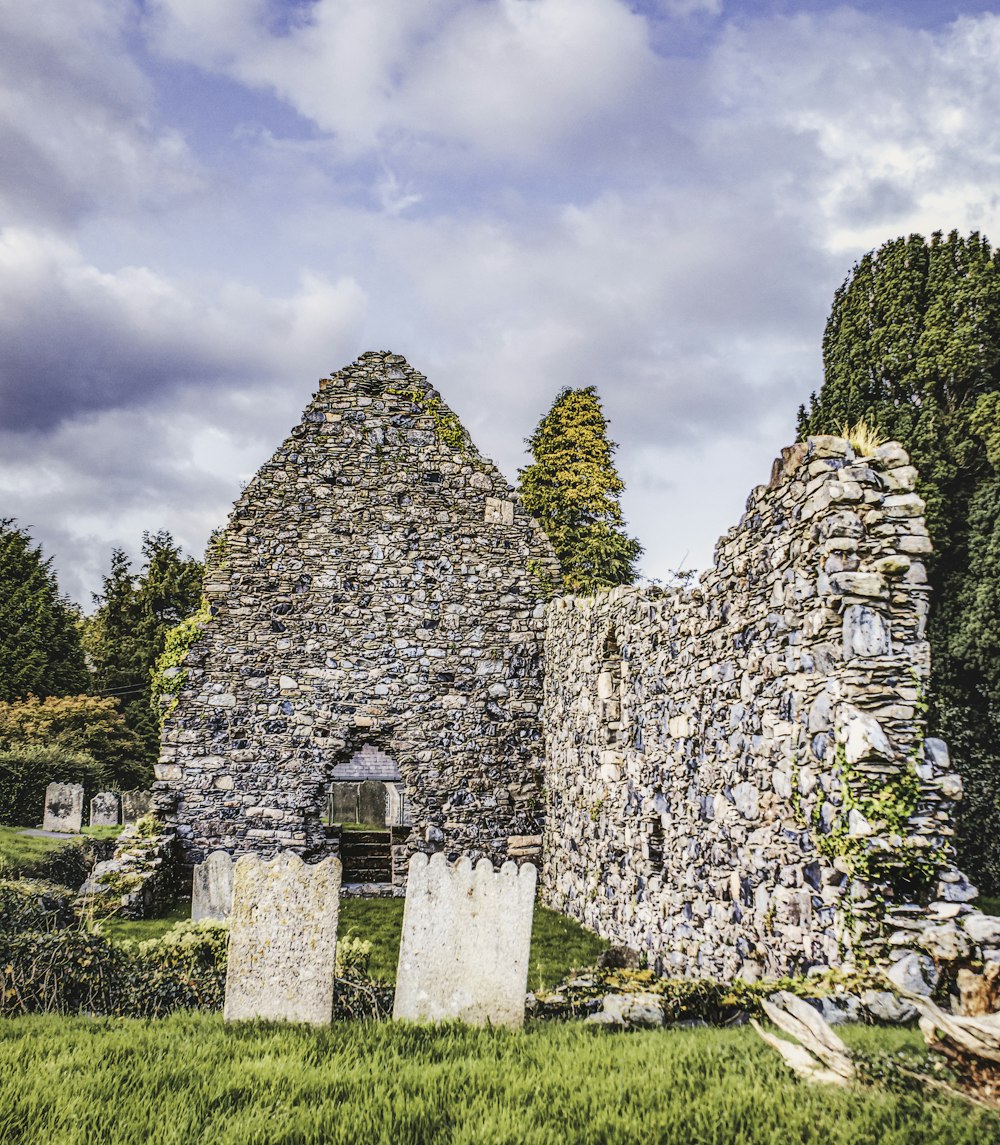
125 635
912 347
573 490
40 649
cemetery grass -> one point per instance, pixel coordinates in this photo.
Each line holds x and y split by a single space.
19 851
190 1079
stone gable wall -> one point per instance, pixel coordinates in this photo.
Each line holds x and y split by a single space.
377 583
736 776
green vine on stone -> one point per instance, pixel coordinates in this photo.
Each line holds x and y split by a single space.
447 428
169 675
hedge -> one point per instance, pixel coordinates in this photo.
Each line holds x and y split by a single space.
26 771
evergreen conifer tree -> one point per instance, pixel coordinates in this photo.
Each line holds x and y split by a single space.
573 489
912 346
40 648
125 635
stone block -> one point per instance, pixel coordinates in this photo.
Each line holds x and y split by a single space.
465 945
866 632
212 887
63 807
283 939
104 809
135 804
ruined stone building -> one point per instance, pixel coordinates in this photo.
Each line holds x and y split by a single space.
731 778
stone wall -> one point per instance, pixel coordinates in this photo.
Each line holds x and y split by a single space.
737 781
377 584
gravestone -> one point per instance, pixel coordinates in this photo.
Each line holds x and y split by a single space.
344 802
282 939
466 939
135 804
212 887
371 803
104 809
63 807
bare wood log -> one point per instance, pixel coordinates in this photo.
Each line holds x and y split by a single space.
820 1055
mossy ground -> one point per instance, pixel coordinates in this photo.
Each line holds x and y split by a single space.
191 1079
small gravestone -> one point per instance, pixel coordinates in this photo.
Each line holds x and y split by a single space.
466 939
212 887
104 809
344 802
282 939
63 807
135 804
371 803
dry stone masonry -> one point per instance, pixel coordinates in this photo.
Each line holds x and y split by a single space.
736 774
283 940
466 938
378 586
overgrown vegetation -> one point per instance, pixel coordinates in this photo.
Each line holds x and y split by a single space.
190 1078
574 492
168 676
912 348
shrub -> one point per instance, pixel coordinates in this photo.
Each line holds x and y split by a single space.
26 770
32 904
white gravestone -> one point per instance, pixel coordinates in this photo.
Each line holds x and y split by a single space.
63 807
104 809
135 804
283 939
212 887
466 941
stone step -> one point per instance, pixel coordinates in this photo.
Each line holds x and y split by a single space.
367 874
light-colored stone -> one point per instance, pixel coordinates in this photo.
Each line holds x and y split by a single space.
283 939
63 807
104 809
865 633
982 928
865 739
884 1006
945 943
640 1011
465 944
914 972
135 804
212 887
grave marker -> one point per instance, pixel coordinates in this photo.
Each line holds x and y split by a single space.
466 940
135 804
63 807
104 809
283 939
212 888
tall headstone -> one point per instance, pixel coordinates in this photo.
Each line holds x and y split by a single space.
283 939
104 809
466 941
135 804
371 803
63 807
212 888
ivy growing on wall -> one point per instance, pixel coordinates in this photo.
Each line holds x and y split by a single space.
169 675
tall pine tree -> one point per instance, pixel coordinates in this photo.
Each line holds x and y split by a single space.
912 347
124 637
573 489
40 649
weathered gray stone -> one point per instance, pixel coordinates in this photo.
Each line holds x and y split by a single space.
282 939
629 1011
104 809
465 943
135 804
914 972
63 807
212 887
982 928
884 1006
865 632
945 943
864 738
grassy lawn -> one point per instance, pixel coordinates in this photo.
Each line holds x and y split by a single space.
18 850
191 1080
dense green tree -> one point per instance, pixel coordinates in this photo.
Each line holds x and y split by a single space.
125 635
912 347
573 489
40 648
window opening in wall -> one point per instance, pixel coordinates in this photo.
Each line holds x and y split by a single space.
609 694
655 847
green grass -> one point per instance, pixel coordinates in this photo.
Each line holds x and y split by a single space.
988 905
18 850
143 928
192 1080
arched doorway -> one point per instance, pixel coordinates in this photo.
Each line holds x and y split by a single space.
367 799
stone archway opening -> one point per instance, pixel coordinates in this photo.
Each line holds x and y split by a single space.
367 804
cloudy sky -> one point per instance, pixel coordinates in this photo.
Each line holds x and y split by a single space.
207 205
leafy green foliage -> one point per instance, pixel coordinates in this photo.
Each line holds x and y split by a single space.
573 490
912 347
34 904
83 727
40 648
168 675
126 634
192 1078
27 769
